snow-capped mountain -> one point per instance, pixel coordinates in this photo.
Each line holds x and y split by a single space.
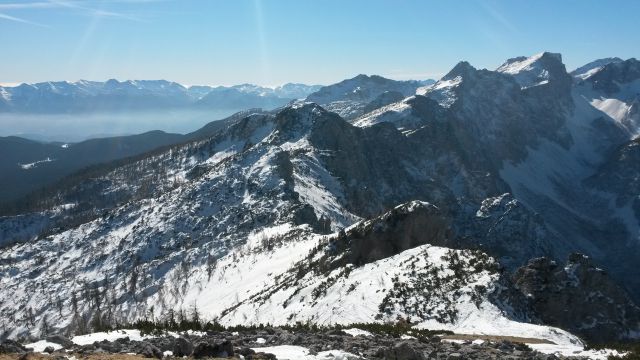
421 209
114 95
543 136
352 97
535 70
614 89
591 68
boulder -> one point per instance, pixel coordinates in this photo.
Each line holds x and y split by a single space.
261 356
205 349
149 350
60 340
182 347
402 351
245 351
12 347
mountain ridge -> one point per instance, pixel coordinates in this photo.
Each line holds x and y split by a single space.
468 181
113 95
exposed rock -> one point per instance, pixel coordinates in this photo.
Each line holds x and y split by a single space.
578 297
402 351
245 351
60 340
205 349
405 227
149 351
11 346
261 356
183 347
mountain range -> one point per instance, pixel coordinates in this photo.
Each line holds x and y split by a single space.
500 202
59 97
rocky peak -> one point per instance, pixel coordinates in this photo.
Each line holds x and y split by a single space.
463 69
587 70
361 88
539 69
601 310
296 121
613 74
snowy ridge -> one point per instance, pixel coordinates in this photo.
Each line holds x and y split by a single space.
35 163
350 97
205 214
396 112
529 71
588 70
256 296
443 91
95 96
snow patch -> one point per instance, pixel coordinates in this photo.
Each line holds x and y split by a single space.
39 346
442 91
357 332
575 350
291 352
109 336
35 164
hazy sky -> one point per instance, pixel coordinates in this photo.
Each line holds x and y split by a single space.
271 42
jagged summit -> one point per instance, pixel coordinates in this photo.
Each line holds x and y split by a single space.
462 69
535 70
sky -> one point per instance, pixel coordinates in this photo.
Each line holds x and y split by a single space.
271 42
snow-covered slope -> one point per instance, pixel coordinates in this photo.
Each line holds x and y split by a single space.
281 274
615 90
531 71
423 285
406 115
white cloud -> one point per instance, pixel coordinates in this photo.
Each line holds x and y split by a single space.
20 20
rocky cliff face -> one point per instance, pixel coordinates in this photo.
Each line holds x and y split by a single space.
579 297
535 133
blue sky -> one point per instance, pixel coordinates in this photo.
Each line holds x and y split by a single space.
271 42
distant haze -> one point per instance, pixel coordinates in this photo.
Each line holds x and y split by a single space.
77 127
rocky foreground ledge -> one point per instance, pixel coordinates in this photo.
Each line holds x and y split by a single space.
272 344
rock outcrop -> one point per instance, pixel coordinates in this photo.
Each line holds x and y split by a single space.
578 297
